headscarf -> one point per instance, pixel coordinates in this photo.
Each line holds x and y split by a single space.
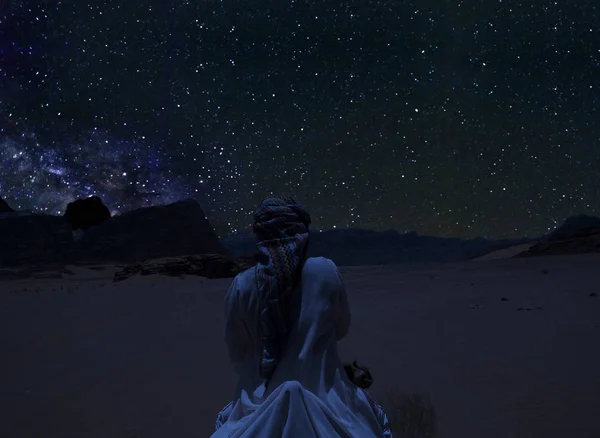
281 228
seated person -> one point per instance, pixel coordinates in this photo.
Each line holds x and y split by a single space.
284 318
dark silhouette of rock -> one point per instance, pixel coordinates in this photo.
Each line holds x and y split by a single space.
575 227
34 239
248 260
579 245
4 207
85 213
147 233
205 265
182 228
163 231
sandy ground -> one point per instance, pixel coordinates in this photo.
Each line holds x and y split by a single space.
506 252
81 357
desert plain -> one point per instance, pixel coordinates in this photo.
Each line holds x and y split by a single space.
505 348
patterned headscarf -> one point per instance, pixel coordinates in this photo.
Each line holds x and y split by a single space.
281 229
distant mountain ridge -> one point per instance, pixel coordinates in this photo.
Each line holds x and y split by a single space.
354 247
181 228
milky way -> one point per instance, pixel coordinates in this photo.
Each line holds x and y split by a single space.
124 174
457 118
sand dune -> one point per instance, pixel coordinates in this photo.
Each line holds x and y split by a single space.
82 357
506 252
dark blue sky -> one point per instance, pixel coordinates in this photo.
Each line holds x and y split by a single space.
450 118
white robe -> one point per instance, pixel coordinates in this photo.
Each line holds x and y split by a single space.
309 394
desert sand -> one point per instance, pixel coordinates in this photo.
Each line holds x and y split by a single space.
505 253
505 348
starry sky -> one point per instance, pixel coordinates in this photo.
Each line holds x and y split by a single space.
451 118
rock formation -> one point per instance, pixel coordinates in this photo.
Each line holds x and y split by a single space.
577 235
357 247
34 239
248 260
85 213
585 244
148 233
207 265
576 226
4 207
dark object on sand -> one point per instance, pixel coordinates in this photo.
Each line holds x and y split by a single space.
85 213
359 375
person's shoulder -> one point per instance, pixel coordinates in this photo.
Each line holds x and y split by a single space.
246 274
320 262
240 289
240 281
321 267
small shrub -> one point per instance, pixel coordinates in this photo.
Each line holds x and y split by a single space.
410 415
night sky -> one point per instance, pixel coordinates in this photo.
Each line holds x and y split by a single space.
450 118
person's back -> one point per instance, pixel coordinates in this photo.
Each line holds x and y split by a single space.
307 392
321 317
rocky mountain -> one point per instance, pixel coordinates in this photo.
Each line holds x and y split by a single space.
33 239
152 232
352 247
162 231
4 207
577 235
83 214
578 245
576 226
182 229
